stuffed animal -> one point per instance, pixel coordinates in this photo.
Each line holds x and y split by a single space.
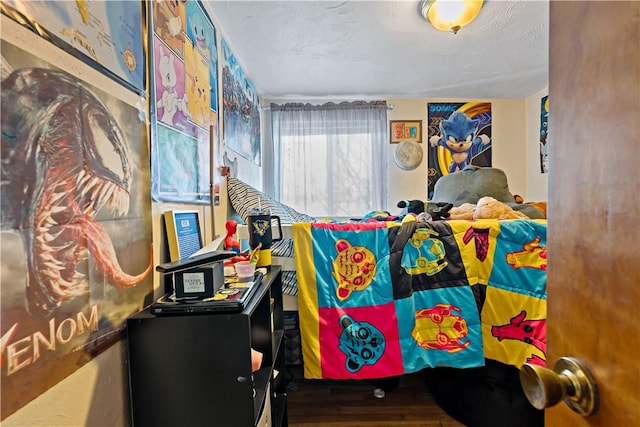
411 206
439 211
488 207
464 211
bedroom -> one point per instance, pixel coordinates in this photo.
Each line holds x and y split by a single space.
97 372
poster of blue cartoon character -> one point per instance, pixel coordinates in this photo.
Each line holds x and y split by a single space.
459 136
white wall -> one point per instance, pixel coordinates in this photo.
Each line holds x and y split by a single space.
94 395
508 134
406 185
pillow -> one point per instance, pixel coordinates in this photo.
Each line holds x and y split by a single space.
243 197
470 184
474 182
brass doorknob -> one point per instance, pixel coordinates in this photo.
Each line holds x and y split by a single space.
570 380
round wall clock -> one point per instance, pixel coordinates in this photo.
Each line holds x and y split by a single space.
408 155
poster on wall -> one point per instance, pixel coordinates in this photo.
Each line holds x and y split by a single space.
241 109
76 243
105 34
459 135
544 131
184 101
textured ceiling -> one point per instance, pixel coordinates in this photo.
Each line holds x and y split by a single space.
385 49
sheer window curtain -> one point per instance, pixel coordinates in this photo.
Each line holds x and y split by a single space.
330 160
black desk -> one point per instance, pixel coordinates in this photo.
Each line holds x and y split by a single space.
195 370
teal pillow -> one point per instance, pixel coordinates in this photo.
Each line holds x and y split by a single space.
474 182
470 184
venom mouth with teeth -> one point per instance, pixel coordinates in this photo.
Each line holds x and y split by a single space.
64 159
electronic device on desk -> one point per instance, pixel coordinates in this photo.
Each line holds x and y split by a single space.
183 233
232 299
198 276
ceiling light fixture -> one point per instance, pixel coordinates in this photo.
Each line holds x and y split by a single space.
450 15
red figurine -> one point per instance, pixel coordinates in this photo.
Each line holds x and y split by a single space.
231 244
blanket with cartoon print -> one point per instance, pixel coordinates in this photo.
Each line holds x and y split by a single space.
379 299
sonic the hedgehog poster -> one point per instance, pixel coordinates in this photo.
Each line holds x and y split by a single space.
459 135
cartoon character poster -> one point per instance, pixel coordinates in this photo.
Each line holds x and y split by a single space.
544 132
459 135
184 103
76 236
241 109
105 33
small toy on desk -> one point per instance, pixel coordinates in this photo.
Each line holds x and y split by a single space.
230 242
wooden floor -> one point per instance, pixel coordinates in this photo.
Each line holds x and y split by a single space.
329 403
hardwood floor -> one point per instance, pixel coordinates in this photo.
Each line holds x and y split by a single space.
330 403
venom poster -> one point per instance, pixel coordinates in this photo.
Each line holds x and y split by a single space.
76 221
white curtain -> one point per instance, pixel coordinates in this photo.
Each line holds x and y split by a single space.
330 160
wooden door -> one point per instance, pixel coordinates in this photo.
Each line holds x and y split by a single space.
594 215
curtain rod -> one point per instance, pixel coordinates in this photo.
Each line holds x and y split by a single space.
268 107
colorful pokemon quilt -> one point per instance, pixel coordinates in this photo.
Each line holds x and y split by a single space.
379 299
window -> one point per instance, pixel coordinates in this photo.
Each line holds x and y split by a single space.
330 160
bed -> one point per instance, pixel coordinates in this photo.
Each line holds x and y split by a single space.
436 294
477 300
381 299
